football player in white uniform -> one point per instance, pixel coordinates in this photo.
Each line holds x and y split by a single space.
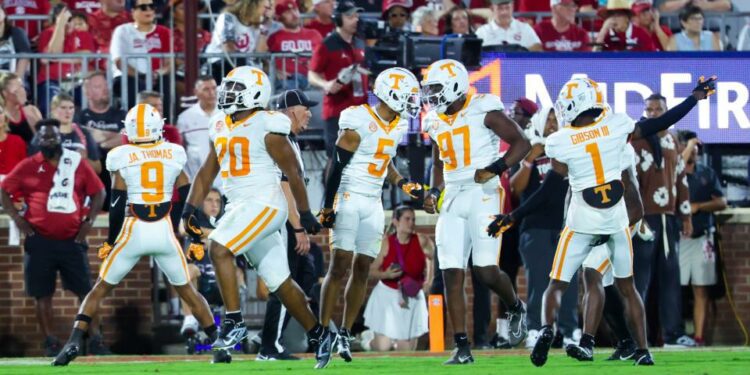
466 130
367 142
144 173
251 149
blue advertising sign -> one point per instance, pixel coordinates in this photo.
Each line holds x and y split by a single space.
627 79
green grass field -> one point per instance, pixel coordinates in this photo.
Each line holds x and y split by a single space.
723 361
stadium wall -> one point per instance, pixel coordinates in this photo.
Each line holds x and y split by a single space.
127 314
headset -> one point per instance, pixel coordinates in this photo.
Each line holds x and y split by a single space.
338 20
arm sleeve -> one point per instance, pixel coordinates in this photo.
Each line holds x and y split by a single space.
654 125
118 200
334 175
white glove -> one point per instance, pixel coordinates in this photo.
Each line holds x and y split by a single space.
643 231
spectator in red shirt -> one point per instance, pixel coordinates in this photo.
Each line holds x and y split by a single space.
105 20
83 6
55 225
561 32
618 33
12 148
323 21
62 37
645 16
27 8
292 38
334 68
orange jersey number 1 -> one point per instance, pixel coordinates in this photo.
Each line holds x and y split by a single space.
152 177
237 168
593 150
448 152
380 154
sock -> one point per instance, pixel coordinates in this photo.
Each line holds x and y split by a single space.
344 332
587 341
503 328
461 339
235 316
210 330
316 331
174 304
547 328
77 335
516 306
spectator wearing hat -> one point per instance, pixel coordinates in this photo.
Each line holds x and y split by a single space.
647 17
425 21
292 38
396 13
693 37
705 5
323 20
618 33
504 29
336 68
296 105
561 33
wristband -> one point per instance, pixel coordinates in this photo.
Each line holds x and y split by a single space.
401 183
299 230
527 164
498 167
188 210
436 192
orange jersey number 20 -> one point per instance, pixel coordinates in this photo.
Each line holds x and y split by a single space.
239 148
447 151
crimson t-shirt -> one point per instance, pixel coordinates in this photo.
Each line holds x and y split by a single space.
304 40
12 151
75 41
102 26
322 28
331 56
574 39
639 40
543 5
655 39
32 180
27 7
85 6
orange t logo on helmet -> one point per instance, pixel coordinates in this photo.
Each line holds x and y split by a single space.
259 74
449 67
396 79
570 87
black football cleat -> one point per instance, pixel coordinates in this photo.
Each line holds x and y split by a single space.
344 344
643 358
460 356
624 351
579 352
68 353
542 346
222 356
323 353
230 334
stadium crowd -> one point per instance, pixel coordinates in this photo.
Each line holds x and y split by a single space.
83 98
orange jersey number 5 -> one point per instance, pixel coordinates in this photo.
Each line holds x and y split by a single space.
448 152
239 155
380 154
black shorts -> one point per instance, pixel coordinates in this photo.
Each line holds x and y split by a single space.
43 257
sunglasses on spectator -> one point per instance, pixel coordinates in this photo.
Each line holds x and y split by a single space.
145 7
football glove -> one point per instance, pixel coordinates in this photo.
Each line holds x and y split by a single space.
707 86
499 225
411 189
190 223
104 250
196 251
309 222
327 217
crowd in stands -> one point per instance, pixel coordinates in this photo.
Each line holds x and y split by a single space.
90 108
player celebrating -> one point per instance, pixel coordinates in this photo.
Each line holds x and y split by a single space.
467 130
144 173
251 150
352 205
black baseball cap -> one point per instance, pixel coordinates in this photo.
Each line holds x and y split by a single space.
348 6
290 98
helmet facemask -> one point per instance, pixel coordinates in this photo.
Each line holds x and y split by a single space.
231 96
433 95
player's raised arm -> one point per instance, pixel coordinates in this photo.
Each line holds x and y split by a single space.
647 127
510 132
346 145
281 152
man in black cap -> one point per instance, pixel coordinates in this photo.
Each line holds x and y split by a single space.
296 105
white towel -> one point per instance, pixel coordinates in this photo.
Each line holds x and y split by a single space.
61 196
535 129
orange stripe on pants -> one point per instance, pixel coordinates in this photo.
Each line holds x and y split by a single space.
256 233
557 251
562 256
118 247
247 229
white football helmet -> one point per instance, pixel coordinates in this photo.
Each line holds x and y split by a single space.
444 82
244 88
398 88
143 124
577 96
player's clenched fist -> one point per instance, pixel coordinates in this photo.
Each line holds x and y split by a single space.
190 223
104 250
412 189
431 200
499 225
309 222
327 217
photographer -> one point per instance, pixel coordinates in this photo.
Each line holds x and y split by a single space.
336 68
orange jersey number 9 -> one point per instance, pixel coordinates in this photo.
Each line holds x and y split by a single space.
380 154
152 177
239 148
448 152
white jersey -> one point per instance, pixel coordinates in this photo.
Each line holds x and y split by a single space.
247 170
229 29
465 143
368 168
595 154
149 171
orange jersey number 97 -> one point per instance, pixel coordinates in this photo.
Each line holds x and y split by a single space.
239 155
448 151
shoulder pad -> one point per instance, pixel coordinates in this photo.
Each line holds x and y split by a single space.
117 158
277 122
483 103
353 117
